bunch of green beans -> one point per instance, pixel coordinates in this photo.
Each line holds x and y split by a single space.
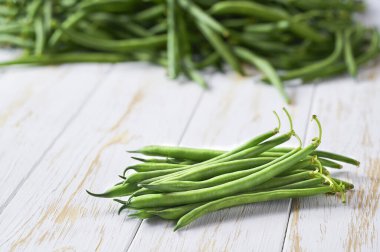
183 184
284 39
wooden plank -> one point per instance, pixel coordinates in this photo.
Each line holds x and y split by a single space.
349 113
233 112
32 116
135 106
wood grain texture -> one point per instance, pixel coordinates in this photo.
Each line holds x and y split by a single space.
32 115
52 211
233 112
349 112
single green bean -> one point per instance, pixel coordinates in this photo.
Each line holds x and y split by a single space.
48 59
127 45
348 54
309 183
141 176
194 154
40 36
248 199
172 43
146 167
16 41
265 67
202 16
122 6
220 47
337 157
150 13
173 213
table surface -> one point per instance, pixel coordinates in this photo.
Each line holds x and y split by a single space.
66 129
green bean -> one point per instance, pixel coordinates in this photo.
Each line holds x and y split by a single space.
220 47
173 213
252 142
127 45
347 185
317 65
141 176
66 58
14 40
146 167
236 22
267 27
248 199
324 154
47 15
186 54
329 163
122 6
327 5
202 16
348 54
337 157
67 24
250 9
265 67
40 37
141 214
210 60
137 30
178 152
159 160
158 28
150 13
142 191
119 190
8 11
15 28
32 9
173 43
309 183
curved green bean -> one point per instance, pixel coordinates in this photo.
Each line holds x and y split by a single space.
248 199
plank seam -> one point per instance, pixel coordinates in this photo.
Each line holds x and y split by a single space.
192 114
290 205
55 139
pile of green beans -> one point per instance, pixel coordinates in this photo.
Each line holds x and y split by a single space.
183 184
284 39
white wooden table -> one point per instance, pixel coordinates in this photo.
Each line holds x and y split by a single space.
65 129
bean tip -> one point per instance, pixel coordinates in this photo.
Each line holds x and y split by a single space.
138 159
133 151
177 227
120 201
92 194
